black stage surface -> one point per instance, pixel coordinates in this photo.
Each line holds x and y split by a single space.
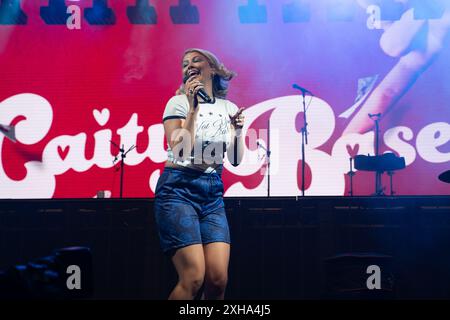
283 248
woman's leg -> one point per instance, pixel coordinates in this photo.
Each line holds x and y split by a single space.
190 265
217 255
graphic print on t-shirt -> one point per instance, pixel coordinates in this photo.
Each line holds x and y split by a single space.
211 137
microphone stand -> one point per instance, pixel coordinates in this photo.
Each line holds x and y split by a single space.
267 151
304 133
123 155
304 139
378 187
351 173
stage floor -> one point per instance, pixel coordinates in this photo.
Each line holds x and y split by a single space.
282 248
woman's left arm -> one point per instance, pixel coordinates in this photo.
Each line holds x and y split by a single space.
235 151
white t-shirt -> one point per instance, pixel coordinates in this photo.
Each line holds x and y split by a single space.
212 133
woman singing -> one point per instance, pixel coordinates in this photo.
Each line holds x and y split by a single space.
200 127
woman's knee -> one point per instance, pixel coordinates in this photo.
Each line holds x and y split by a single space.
190 265
193 281
217 281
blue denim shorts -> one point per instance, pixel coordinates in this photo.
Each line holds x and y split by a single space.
189 209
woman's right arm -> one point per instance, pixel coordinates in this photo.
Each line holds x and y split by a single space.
180 133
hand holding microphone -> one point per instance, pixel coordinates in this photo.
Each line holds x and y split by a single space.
194 88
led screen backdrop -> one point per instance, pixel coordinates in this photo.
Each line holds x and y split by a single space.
77 74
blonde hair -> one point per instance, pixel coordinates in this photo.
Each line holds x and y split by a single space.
222 75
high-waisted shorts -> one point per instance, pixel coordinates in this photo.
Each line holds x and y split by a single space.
189 209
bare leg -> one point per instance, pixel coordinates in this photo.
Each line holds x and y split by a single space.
190 265
217 256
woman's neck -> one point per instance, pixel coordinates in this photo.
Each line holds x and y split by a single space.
209 91
208 88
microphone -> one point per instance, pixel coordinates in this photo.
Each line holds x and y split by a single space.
259 145
201 93
303 90
9 132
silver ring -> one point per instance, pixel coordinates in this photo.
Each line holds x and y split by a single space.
191 91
